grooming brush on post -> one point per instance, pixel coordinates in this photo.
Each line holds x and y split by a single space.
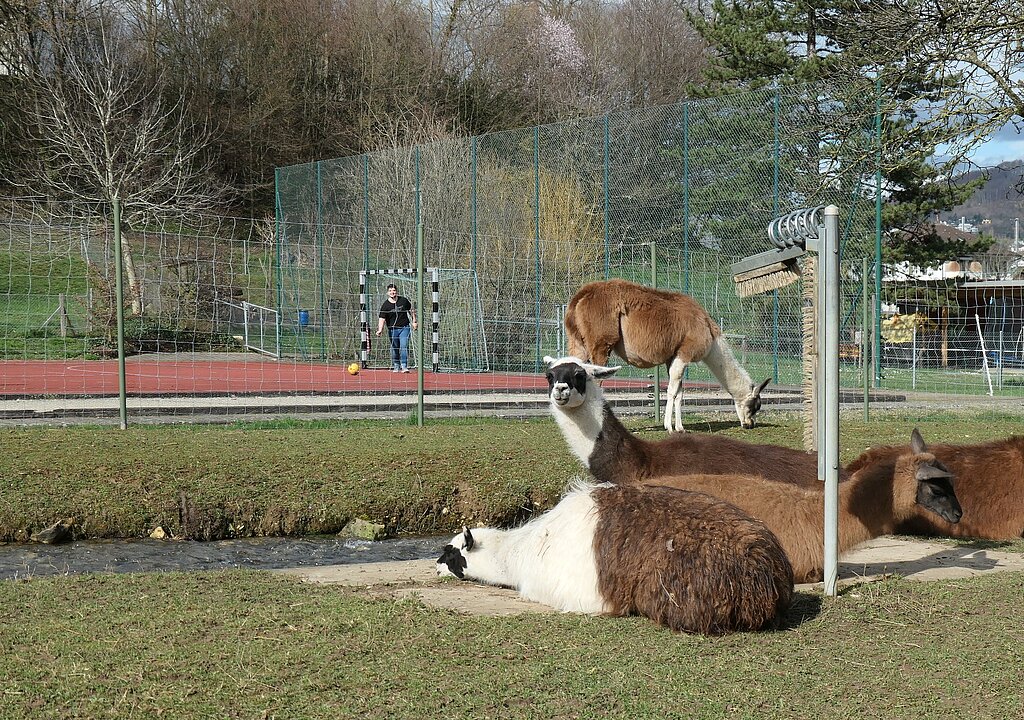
793 235
777 268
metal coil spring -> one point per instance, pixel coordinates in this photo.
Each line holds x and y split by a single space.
793 229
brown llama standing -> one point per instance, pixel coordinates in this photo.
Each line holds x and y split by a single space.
648 327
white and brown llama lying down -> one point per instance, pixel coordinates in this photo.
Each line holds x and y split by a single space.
613 454
685 560
648 327
989 485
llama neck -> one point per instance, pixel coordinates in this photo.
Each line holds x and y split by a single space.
722 364
582 425
866 507
618 455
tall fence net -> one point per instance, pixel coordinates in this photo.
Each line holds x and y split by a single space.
237 317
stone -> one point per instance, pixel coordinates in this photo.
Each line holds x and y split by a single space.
159 533
363 530
59 532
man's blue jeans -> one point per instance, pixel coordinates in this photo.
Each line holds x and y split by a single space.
399 346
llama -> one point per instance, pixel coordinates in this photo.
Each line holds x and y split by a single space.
989 485
873 502
613 454
687 561
647 327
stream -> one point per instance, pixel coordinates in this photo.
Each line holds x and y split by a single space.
121 556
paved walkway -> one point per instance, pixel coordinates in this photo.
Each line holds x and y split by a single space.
912 559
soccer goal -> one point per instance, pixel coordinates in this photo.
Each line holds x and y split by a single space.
457 340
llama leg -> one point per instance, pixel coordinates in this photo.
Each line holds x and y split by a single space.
674 401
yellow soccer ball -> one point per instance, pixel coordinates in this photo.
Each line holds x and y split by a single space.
353 369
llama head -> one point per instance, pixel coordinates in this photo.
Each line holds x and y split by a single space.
452 562
568 378
934 490
747 408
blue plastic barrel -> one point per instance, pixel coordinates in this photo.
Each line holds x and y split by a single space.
303 318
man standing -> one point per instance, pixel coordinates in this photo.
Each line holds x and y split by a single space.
398 314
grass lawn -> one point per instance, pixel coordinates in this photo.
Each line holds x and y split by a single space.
296 478
245 644
257 645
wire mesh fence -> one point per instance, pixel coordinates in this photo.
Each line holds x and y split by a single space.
237 316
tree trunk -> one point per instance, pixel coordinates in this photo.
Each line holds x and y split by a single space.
131 276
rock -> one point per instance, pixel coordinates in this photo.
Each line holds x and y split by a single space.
159 533
363 530
59 532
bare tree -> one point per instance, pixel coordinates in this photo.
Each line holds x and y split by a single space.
973 51
105 133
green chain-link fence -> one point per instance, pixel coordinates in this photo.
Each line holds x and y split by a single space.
532 214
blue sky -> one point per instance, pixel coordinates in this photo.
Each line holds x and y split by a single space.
1007 144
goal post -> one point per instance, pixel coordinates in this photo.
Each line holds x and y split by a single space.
364 321
458 341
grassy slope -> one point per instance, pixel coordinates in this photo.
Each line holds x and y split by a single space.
306 479
253 645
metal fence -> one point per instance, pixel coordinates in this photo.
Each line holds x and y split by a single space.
248 317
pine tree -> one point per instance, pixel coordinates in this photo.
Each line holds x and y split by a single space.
821 43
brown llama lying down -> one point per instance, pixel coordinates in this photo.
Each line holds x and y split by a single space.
873 502
648 327
690 562
989 484
613 454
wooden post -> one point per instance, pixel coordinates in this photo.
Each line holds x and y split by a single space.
62 310
945 336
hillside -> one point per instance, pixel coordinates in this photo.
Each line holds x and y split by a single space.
1000 201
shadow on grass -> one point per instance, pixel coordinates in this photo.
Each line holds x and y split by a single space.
805 606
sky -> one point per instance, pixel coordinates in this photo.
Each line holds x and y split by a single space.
1005 145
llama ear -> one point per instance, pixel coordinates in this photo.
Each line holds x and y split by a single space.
757 391
468 537
601 373
548 360
917 442
932 471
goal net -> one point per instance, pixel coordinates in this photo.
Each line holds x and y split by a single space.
452 319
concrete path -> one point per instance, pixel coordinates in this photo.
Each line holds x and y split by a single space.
912 559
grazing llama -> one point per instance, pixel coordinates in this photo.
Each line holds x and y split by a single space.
685 560
648 327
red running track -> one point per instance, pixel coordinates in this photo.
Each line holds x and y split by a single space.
146 376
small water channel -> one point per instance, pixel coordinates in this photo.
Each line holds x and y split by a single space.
121 556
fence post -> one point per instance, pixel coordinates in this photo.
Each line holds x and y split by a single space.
419 326
878 229
366 212
607 265
472 196
122 392
864 342
322 315
775 213
657 368
686 198
536 245
830 448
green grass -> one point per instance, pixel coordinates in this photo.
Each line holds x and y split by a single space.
245 644
291 477
257 645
